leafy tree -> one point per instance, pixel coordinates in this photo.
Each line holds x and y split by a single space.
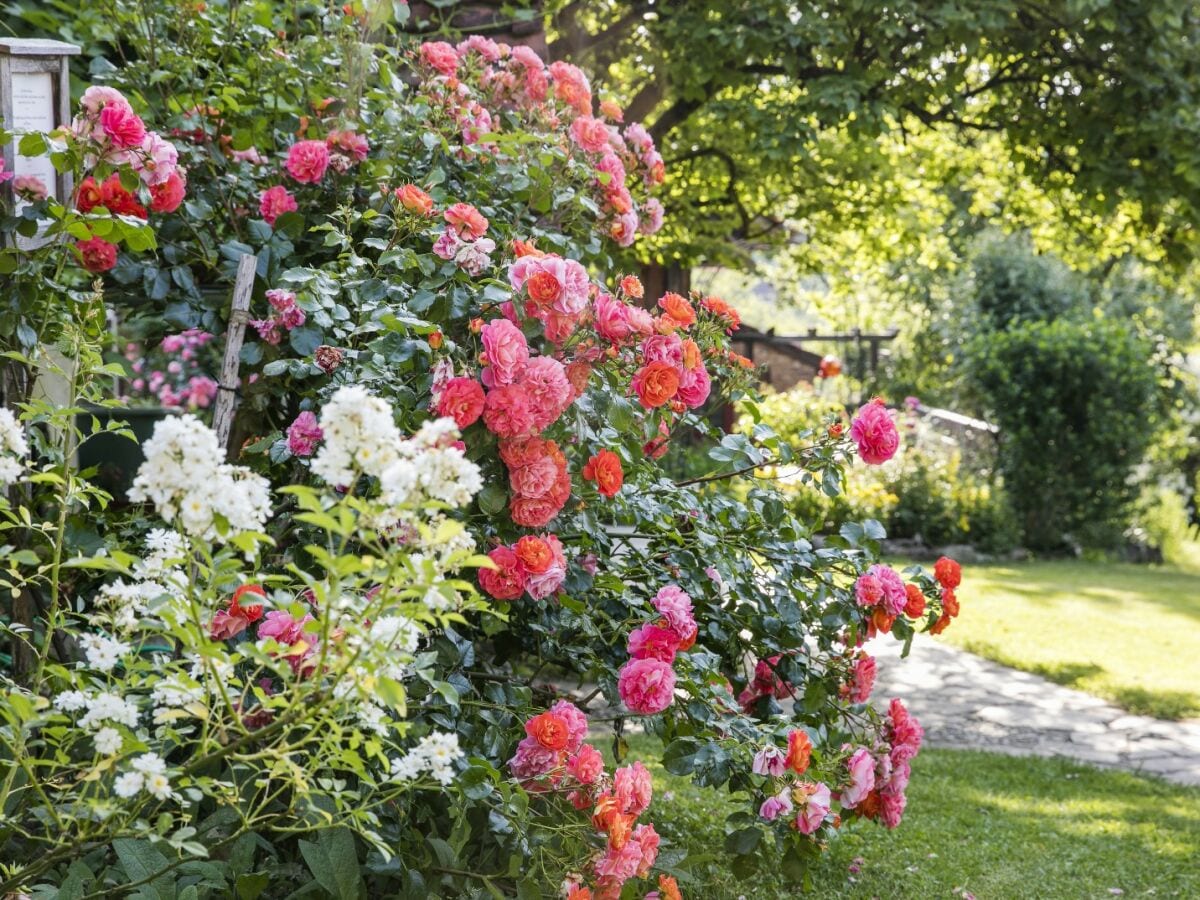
754 104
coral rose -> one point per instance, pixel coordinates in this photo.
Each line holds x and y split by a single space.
466 220
646 686
586 765
414 200
549 730
307 161
506 350
653 642
590 133
677 308
534 554
947 572
506 581
655 384
274 202
506 411
461 399
605 469
914 605
167 195
97 254
440 56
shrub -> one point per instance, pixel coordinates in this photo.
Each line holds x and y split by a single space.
446 372
1072 401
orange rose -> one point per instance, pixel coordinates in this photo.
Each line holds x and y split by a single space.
605 469
881 620
656 383
549 730
668 888
525 248
799 751
950 602
602 814
534 554
619 828
435 340
914 608
415 200
940 625
691 355
631 286
947 572
580 893
677 308
543 288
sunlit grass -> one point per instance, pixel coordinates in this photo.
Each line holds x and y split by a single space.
1124 632
991 825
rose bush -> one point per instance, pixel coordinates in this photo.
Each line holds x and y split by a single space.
448 369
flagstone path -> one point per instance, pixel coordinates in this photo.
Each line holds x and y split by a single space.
967 702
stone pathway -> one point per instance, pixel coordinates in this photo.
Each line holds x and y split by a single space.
965 701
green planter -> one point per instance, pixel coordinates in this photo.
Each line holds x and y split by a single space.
115 456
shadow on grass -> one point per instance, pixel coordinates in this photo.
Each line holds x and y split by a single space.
1172 705
993 825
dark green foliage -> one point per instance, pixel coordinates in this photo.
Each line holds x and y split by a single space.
1073 401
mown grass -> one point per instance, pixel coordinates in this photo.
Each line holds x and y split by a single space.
1123 632
977 824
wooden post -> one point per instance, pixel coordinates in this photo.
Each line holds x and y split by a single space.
229 384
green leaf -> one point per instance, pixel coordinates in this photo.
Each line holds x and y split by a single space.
680 756
141 860
333 861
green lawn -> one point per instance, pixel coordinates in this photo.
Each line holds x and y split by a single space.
990 825
1128 633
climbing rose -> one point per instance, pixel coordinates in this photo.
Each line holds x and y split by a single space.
646 686
466 220
507 581
549 391
307 161
506 411
653 642
914 606
770 761
861 680
947 572
462 400
774 807
542 584
799 751
304 434
695 386
549 730
675 606
861 767
589 133
167 195
605 469
122 125
655 384
868 591
274 202
813 799
632 789
440 56
892 585
506 352
586 765
415 200
675 306
534 554
875 433
98 254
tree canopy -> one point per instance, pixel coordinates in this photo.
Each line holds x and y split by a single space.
772 112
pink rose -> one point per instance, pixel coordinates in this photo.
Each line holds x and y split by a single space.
507 411
541 585
891 808
506 350
868 592
304 434
770 761
646 839
774 807
545 382
875 433
862 680
440 56
507 580
587 765
535 479
646 686
589 133
307 161
815 808
694 386
122 125
274 202
663 348
612 318
462 400
892 585
632 789
652 642
674 605
551 283
861 768
284 629
532 760
155 161
652 216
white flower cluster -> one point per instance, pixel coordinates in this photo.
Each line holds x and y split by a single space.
101 708
149 773
184 477
436 754
361 438
13 448
103 652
